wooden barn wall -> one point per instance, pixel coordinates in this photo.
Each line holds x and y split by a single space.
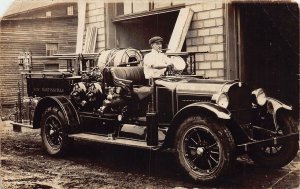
17 35
56 11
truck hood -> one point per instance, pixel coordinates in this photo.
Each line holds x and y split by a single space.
239 93
193 85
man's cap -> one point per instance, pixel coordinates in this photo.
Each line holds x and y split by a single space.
155 39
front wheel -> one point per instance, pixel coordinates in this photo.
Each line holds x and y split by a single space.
277 156
54 132
205 148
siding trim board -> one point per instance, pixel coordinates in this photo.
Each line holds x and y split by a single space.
34 18
147 13
46 7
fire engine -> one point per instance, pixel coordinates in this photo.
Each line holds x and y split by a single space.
104 97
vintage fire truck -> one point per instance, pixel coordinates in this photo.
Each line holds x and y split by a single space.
206 123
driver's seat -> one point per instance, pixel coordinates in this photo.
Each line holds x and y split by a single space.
131 78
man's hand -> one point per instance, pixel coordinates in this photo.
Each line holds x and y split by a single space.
170 70
171 65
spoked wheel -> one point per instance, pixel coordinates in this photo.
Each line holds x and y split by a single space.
279 155
205 149
201 153
53 131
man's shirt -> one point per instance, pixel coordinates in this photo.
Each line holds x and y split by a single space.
152 59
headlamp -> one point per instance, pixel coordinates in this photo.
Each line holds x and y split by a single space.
261 97
221 99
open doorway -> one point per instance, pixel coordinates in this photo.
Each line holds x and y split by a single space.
269 48
137 31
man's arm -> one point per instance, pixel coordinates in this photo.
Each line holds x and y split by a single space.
159 66
168 60
162 61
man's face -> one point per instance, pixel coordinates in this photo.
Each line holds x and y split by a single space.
157 46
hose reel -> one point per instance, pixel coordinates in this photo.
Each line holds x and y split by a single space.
119 57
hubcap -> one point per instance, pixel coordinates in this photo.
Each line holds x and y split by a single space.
200 151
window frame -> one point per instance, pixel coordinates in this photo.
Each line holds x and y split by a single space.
48 14
51 50
70 10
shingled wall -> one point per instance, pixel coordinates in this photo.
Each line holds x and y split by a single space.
206 33
95 18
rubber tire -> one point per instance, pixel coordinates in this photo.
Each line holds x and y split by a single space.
285 156
66 142
225 140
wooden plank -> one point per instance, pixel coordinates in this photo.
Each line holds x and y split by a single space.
180 30
81 25
90 40
94 40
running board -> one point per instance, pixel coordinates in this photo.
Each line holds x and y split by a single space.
111 140
17 127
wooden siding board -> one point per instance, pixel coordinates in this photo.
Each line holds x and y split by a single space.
17 35
56 10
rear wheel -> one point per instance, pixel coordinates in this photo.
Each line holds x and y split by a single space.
205 148
54 132
277 156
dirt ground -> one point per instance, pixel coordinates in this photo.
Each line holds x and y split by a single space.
26 165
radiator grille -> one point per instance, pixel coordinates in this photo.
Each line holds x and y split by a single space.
239 97
240 103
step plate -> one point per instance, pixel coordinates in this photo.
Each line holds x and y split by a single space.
17 127
110 140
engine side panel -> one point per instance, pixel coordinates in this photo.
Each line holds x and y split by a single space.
165 104
43 86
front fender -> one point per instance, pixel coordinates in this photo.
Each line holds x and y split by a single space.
276 104
215 109
63 103
198 108
275 108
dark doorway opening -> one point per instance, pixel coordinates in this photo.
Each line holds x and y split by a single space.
137 31
269 51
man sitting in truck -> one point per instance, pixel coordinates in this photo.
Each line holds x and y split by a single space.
156 62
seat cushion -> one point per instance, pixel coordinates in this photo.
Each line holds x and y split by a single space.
134 74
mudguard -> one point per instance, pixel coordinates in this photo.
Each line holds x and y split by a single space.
218 111
72 118
278 105
206 108
277 108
